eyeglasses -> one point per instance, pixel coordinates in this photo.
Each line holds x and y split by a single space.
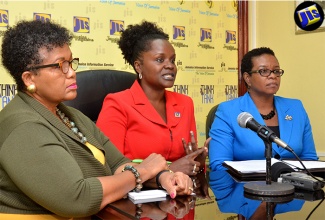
64 65
267 72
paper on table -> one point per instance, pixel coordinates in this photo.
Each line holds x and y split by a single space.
250 166
148 196
309 164
259 166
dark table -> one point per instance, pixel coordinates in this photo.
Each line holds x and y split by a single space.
231 204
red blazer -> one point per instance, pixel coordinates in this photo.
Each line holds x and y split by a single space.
136 128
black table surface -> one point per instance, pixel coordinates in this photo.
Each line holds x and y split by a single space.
192 207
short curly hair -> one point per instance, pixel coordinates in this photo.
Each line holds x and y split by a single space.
21 44
246 62
136 39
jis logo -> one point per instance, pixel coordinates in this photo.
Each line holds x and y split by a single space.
230 37
81 24
178 32
308 16
205 35
4 18
116 27
42 17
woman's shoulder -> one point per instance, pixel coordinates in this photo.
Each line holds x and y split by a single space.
17 113
17 107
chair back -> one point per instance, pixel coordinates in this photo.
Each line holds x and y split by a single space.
94 85
210 118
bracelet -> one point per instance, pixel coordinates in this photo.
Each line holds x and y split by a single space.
138 211
158 175
138 185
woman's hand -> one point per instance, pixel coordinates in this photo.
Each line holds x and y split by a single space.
188 163
194 161
153 164
202 157
192 147
201 186
176 183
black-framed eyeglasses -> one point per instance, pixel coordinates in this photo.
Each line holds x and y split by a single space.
267 72
64 65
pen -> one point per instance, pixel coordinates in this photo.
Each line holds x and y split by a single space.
140 160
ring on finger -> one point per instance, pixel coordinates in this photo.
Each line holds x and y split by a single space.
190 146
194 168
190 188
194 183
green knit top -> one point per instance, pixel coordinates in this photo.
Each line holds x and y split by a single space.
44 168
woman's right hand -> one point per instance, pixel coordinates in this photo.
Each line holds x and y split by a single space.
153 164
176 183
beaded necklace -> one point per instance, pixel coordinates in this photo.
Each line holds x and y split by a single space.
268 116
72 126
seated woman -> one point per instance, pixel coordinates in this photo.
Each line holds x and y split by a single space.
286 117
148 118
53 159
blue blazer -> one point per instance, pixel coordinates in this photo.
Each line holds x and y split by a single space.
230 142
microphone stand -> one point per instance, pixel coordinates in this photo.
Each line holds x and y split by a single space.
268 156
268 188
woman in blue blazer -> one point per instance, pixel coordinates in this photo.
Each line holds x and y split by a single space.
286 117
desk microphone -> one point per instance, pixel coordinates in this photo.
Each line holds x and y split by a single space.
246 120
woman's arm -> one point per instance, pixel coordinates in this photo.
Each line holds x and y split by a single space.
222 139
118 185
309 150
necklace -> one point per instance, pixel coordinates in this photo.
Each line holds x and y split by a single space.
268 116
71 125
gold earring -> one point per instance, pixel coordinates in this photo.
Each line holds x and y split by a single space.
31 88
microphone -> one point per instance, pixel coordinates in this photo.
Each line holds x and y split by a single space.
246 120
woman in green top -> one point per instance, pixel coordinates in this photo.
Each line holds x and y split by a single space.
53 159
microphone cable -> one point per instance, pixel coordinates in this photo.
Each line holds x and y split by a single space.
314 209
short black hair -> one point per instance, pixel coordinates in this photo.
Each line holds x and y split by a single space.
136 39
21 44
246 62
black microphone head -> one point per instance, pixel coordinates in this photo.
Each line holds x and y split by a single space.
243 118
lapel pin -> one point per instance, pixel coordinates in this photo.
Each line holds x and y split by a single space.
177 114
288 117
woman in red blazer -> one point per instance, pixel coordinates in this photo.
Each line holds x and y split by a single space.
148 118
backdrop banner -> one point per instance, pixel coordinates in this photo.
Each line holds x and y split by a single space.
203 33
